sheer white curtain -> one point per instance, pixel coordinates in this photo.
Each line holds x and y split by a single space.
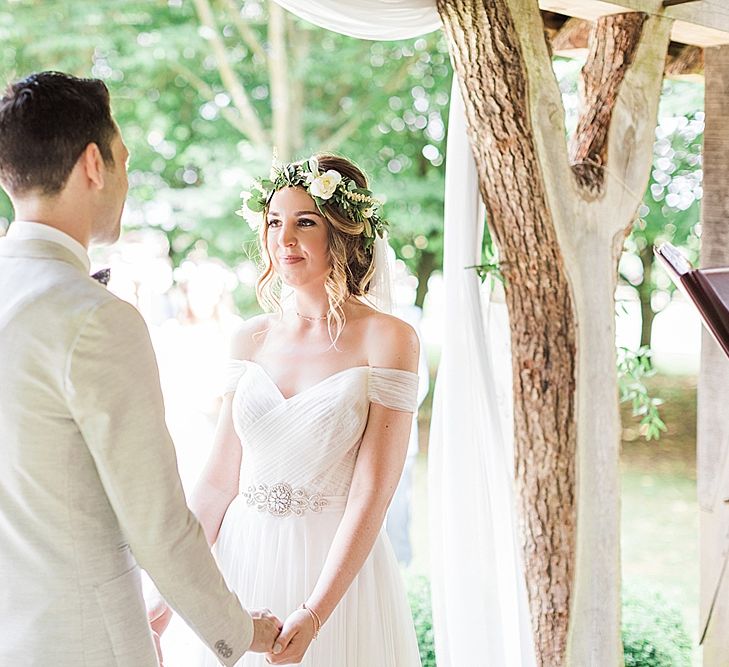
479 598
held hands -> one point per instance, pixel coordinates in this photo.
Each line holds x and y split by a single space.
298 631
266 628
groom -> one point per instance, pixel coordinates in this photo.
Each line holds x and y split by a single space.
89 489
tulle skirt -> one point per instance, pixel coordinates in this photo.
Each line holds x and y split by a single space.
275 562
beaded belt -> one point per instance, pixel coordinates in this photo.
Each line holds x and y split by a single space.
281 499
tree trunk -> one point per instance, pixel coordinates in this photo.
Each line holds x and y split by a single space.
278 68
645 290
297 95
559 230
713 389
426 266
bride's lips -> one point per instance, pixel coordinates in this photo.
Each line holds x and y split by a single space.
290 259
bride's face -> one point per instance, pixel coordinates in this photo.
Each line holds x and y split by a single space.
297 238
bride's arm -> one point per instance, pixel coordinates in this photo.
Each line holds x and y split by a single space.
376 475
218 483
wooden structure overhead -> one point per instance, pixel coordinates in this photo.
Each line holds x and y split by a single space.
702 23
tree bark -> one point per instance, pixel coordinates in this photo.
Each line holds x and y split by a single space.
559 231
426 266
713 388
614 40
567 35
485 49
645 289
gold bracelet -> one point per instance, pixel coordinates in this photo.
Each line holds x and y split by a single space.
314 618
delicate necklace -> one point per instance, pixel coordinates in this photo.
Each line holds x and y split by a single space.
312 319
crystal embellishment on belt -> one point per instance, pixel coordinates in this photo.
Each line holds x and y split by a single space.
282 500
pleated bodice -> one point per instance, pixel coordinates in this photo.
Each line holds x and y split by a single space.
310 440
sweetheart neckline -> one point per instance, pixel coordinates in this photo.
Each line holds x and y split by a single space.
310 387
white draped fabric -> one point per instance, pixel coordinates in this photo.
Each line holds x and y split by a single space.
480 608
479 595
369 19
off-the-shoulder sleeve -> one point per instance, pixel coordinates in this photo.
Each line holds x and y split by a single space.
232 373
394 389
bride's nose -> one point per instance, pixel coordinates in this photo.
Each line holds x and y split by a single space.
287 237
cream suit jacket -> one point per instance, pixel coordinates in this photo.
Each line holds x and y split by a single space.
89 488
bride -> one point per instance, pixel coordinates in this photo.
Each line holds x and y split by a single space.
313 430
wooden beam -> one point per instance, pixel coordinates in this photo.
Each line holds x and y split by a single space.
701 23
672 3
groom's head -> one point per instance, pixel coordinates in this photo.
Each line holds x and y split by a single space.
56 133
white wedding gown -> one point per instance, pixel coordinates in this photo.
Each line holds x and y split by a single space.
298 458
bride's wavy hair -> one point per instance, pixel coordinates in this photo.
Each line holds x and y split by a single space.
352 265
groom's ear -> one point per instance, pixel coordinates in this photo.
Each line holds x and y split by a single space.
91 162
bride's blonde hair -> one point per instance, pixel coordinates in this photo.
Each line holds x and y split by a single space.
352 265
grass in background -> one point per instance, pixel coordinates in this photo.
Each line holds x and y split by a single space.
660 551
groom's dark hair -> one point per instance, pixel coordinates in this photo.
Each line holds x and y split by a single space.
46 121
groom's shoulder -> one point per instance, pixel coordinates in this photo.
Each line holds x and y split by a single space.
86 304
249 334
87 296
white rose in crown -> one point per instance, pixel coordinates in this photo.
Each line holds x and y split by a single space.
368 212
324 185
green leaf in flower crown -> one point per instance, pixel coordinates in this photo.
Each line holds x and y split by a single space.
266 184
351 185
255 204
368 228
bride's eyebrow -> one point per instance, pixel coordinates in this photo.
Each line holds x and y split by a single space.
309 213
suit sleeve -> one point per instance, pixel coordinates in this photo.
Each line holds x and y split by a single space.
114 395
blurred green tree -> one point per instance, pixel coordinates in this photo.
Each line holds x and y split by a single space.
670 211
204 89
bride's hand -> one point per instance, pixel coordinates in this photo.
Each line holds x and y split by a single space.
159 617
294 640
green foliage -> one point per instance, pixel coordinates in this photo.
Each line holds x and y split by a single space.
670 210
490 266
671 205
420 604
653 633
633 368
383 104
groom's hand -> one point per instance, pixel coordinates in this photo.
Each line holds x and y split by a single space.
294 640
266 628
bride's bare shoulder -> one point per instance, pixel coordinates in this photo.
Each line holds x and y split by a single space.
249 335
391 342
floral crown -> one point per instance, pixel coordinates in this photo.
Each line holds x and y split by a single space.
326 189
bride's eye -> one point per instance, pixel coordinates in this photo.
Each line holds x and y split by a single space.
273 222
306 222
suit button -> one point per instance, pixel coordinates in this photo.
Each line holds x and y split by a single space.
223 649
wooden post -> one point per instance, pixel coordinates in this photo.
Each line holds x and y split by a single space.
713 389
